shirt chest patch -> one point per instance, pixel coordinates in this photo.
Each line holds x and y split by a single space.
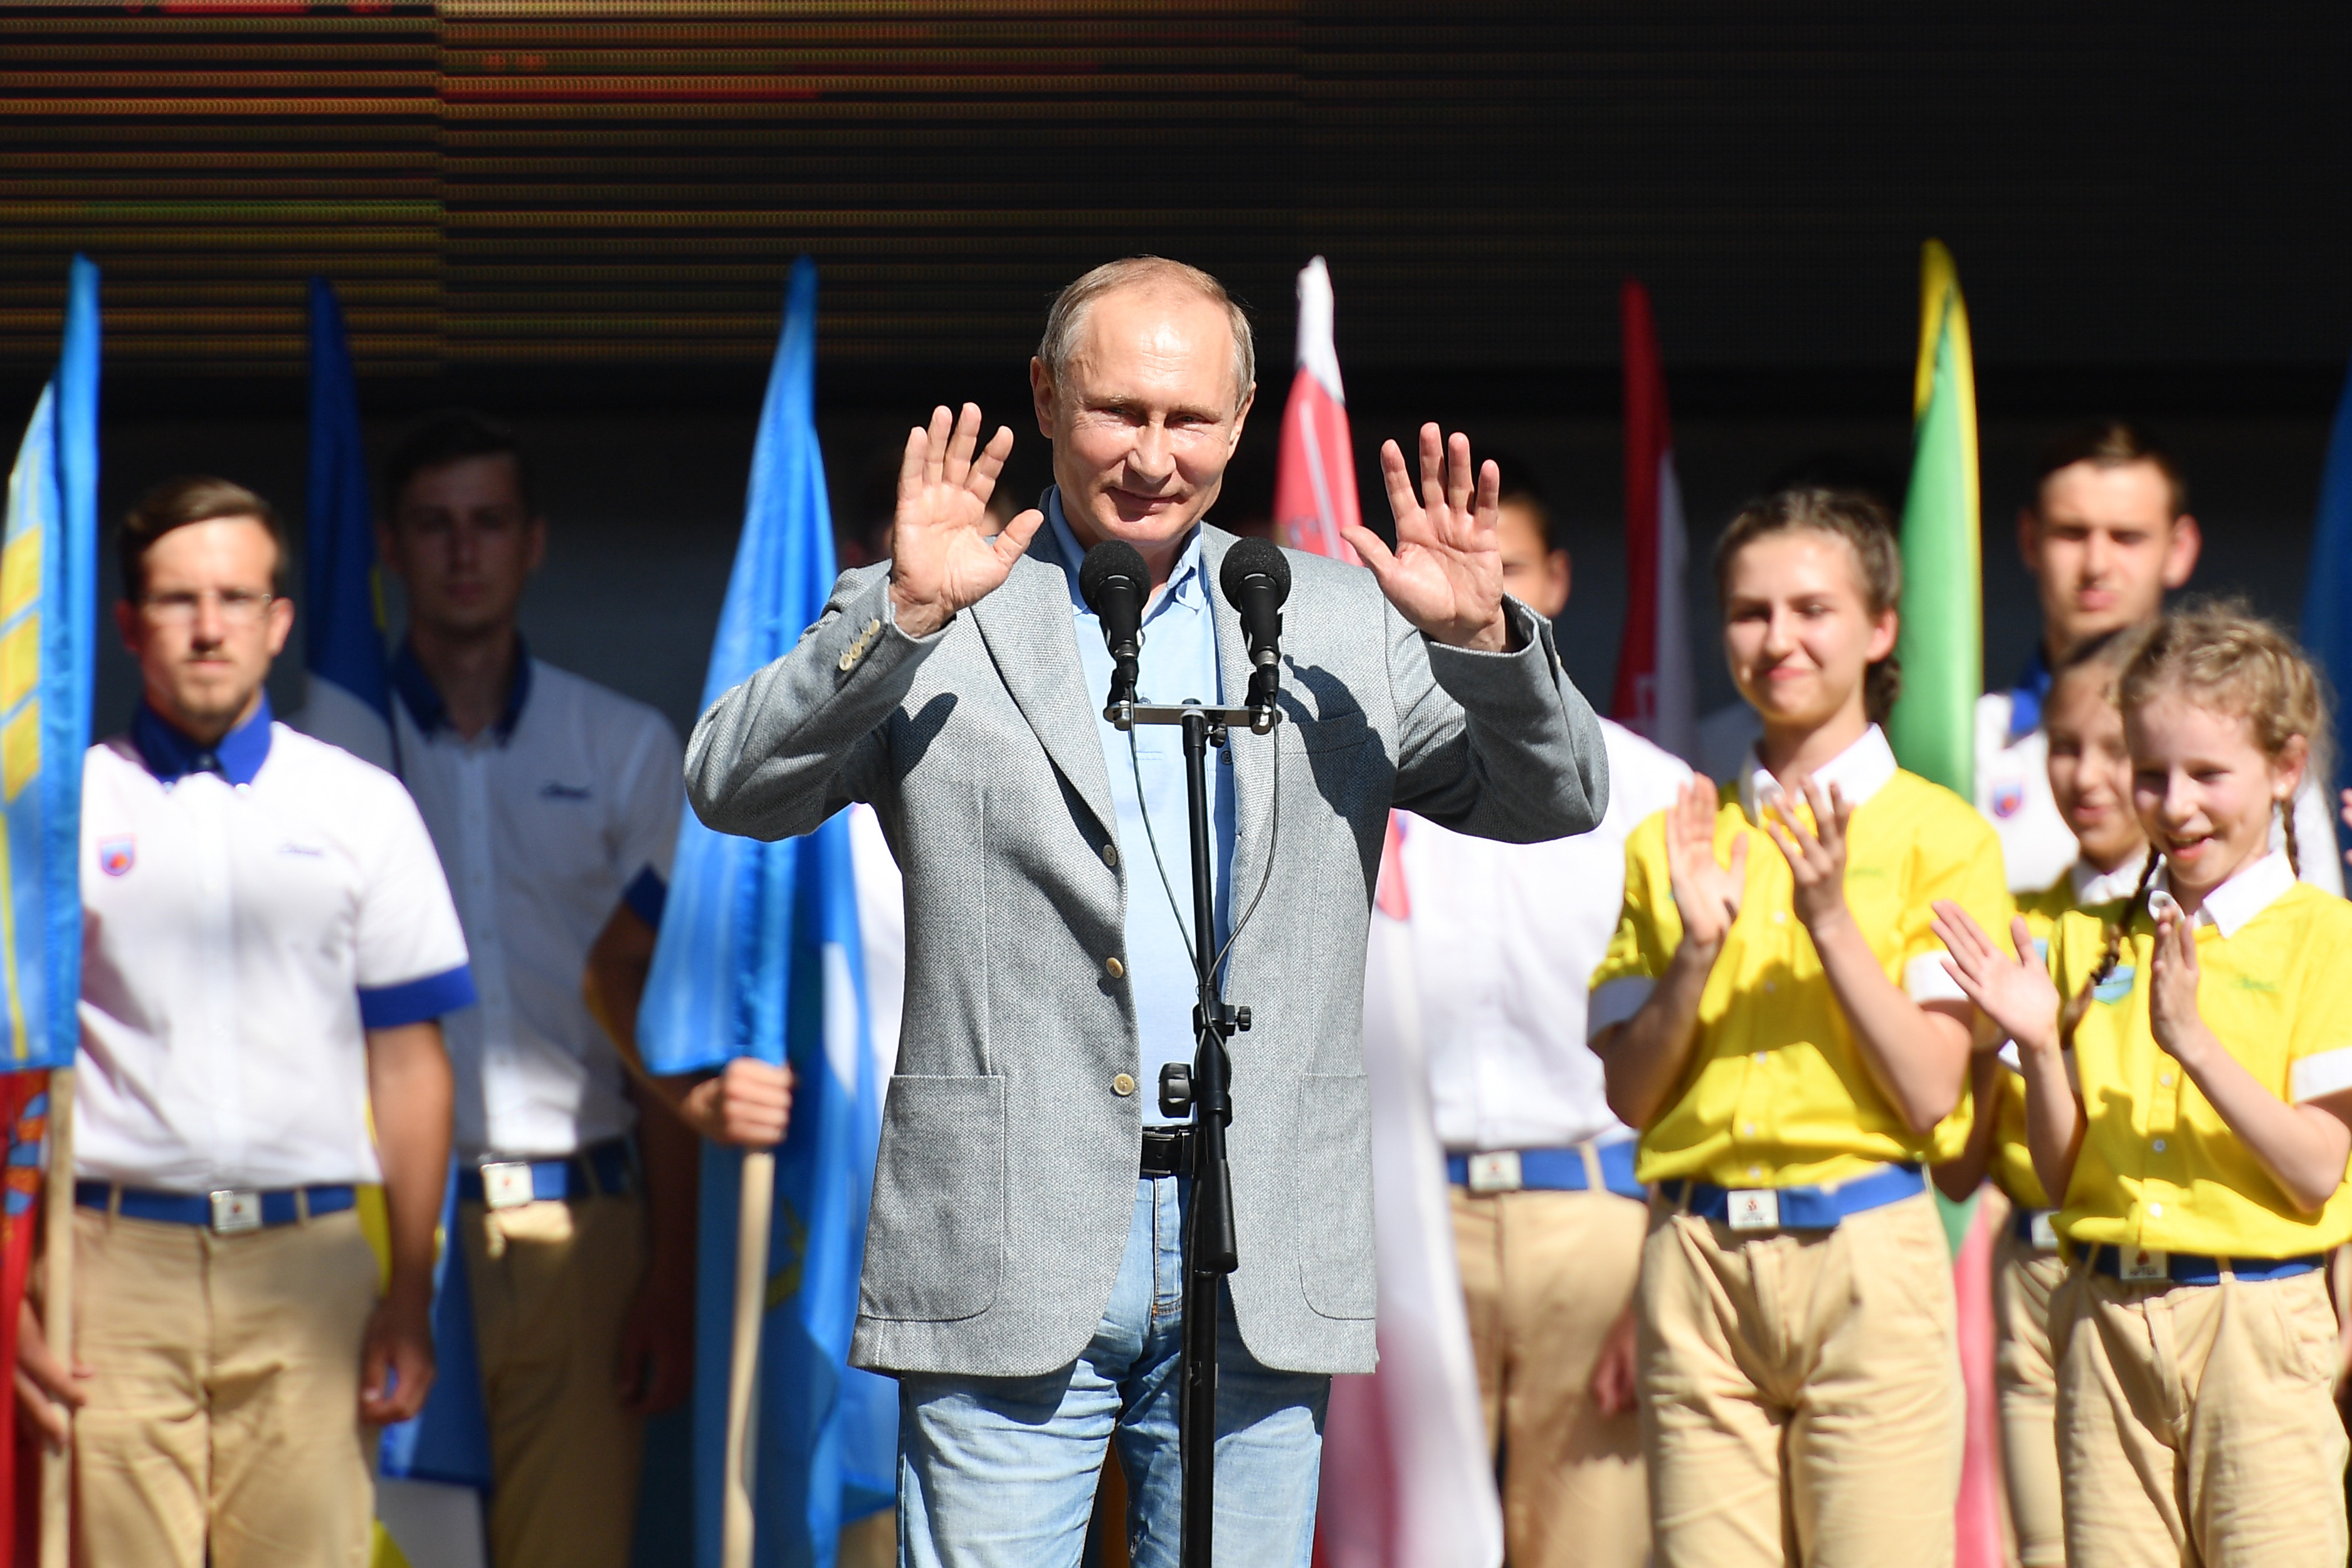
2008 798
116 856
554 790
2115 987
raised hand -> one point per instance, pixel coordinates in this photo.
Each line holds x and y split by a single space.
1706 891
2016 992
940 560
1816 854
1445 576
2172 976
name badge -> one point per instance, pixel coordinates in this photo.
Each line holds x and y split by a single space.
1495 1172
1758 1210
2139 1265
2045 1233
234 1212
506 1184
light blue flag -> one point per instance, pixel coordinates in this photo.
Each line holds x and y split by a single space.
759 955
348 703
2327 597
48 606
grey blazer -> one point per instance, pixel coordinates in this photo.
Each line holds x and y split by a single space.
1006 1182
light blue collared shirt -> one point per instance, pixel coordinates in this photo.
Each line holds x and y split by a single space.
1177 663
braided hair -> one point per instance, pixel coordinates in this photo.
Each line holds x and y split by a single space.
2070 1016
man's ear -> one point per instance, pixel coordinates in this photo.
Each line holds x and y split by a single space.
1040 395
127 622
2029 539
2181 550
537 550
1241 417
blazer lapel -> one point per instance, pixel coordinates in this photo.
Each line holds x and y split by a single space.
1253 755
1027 626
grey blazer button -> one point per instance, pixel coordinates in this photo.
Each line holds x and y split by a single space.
1115 966
1122 1085
1111 856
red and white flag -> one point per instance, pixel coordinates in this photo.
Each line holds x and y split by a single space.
1406 1478
1654 697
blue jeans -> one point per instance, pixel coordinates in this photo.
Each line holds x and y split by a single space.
1000 1473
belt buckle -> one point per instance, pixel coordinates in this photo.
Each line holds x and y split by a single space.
2042 1231
1755 1208
2142 1265
234 1212
507 1184
1495 1172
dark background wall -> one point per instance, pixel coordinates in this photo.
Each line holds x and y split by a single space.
579 216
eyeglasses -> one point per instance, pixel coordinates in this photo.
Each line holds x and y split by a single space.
237 606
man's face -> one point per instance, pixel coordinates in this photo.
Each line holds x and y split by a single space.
2103 545
1533 572
464 543
1145 417
206 626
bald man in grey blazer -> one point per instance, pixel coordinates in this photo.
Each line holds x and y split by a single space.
1020 1273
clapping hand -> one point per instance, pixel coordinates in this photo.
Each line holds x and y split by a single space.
2015 992
1445 574
2172 976
1816 854
1706 891
940 559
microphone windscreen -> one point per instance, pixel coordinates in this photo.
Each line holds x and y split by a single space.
1110 561
1255 557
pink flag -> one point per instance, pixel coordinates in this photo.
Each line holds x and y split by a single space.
1406 1479
1654 696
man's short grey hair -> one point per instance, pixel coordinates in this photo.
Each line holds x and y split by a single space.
1068 315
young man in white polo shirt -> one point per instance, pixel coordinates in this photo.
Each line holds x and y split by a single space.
555 805
1548 1221
269 945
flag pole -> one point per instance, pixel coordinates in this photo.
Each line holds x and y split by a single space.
755 1209
56 1312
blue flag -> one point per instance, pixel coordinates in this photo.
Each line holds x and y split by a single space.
48 607
759 955
2327 599
347 699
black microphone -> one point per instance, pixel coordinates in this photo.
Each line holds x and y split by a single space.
1114 582
1256 579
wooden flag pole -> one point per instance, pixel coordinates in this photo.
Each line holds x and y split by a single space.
57 1311
757 1209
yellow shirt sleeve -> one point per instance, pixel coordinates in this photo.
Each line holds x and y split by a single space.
1963 863
2319 1033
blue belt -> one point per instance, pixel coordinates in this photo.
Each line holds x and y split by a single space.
1562 1170
196 1209
2195 1268
1808 1208
599 1170
2020 1226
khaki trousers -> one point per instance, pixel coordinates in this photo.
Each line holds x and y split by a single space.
223 1424
2026 1382
548 1314
1801 1398
1545 1274
2195 1423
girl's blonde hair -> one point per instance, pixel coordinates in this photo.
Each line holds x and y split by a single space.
2220 656
1846 515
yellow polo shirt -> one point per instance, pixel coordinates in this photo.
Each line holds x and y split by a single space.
2082 886
2158 1167
1777 1094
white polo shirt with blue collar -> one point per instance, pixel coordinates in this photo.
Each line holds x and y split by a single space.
249 909
564 809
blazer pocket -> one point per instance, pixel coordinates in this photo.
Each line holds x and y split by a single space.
1334 1169
936 1246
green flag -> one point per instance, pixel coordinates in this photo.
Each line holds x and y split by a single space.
1941 644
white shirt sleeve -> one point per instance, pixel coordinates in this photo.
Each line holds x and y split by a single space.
651 798
412 950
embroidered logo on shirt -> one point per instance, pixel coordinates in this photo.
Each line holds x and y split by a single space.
2248 983
308 852
116 856
2115 987
2008 799
551 790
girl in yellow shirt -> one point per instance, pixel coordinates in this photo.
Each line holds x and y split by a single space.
2188 1069
2091 780
1776 1021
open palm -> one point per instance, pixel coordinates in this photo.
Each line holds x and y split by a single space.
1445 574
941 559
1706 891
2014 990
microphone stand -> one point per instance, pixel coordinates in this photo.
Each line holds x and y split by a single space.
1211 1248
